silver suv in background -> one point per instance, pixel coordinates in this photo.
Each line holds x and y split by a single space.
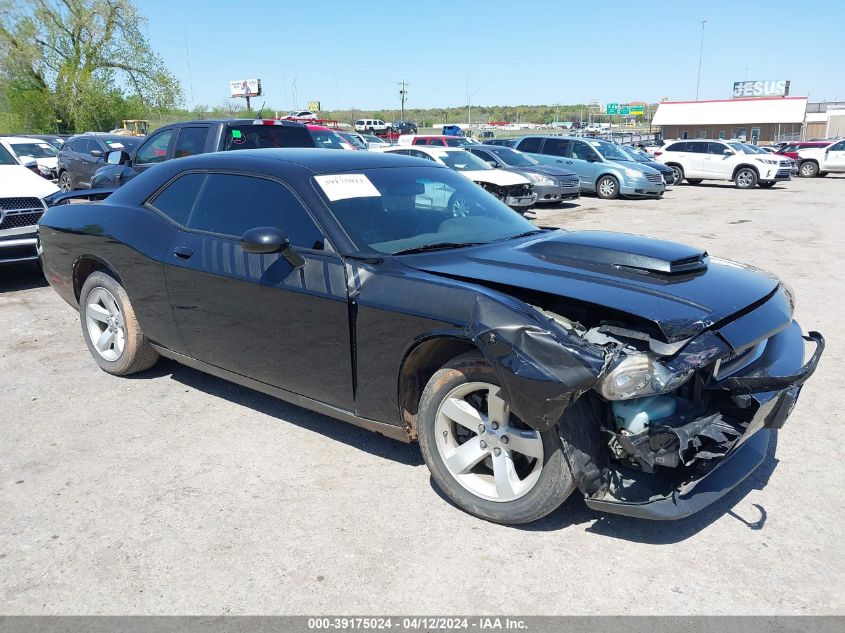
701 159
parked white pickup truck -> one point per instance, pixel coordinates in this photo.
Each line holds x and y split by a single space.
820 161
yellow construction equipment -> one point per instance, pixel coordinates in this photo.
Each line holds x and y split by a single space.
132 127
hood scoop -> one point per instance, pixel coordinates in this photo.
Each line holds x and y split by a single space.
619 250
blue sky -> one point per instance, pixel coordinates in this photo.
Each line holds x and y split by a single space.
353 54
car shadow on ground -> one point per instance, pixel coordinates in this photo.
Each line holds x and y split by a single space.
15 277
349 434
575 512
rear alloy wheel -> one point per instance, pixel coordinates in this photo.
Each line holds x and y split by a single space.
679 173
65 181
607 188
694 181
808 169
486 460
110 328
745 178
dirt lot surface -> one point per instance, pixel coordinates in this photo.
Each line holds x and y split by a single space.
175 492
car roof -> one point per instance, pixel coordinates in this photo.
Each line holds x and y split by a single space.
237 122
19 140
315 159
105 137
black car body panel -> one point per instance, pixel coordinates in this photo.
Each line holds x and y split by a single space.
344 332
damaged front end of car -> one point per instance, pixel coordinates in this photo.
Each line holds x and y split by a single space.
667 430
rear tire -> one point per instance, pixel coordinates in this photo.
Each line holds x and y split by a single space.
458 440
694 181
808 169
607 188
679 174
111 329
745 178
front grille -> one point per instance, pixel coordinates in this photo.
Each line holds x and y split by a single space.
16 219
15 204
784 173
786 163
571 183
518 190
655 178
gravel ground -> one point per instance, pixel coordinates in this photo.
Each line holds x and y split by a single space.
177 493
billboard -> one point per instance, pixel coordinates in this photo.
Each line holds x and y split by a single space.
245 88
770 88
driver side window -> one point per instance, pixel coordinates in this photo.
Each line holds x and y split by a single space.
581 151
155 149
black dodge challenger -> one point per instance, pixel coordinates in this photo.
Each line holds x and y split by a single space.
397 295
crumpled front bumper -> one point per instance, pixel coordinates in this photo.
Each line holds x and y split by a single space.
519 202
770 387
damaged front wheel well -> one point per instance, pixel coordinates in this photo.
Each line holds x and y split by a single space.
418 368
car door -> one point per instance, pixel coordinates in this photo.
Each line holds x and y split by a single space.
697 160
91 159
70 159
156 149
585 162
258 315
834 157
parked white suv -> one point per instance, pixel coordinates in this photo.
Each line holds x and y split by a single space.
371 125
820 161
701 159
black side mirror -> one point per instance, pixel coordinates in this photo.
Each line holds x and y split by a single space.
117 157
96 153
264 240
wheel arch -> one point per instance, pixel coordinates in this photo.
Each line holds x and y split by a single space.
613 175
743 166
85 266
418 366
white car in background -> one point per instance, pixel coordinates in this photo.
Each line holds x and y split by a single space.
702 159
374 142
26 149
513 189
21 206
820 161
302 114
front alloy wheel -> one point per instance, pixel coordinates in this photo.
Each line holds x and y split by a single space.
483 457
745 178
607 188
65 182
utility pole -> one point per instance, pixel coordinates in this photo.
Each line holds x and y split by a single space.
700 57
403 96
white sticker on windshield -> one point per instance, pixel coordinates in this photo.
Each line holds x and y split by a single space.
115 144
44 145
343 186
441 154
594 143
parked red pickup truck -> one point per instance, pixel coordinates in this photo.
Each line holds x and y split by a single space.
792 149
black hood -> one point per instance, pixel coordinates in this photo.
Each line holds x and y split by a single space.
677 288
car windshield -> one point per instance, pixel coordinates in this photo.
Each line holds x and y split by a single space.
513 157
6 158
327 139
353 139
609 150
373 139
41 149
634 154
462 161
738 147
127 144
458 141
400 209
753 149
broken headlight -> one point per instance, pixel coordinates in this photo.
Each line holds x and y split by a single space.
640 374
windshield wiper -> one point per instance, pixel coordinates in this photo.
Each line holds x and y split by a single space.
526 234
437 246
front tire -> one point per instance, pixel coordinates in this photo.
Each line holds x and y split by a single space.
808 169
484 459
110 328
607 188
745 178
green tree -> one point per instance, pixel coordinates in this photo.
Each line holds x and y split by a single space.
85 62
